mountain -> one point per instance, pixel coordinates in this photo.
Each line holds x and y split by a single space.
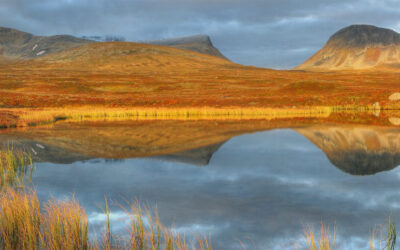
125 57
21 45
15 44
198 43
357 150
357 47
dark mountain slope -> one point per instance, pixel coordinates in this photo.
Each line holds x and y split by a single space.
199 43
15 44
22 45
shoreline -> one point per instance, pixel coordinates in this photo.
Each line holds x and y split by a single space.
28 117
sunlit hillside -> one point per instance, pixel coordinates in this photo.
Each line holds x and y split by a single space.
129 74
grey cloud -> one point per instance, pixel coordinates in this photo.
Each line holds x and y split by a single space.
263 33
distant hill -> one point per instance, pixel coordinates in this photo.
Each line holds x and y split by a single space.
21 45
357 47
130 57
15 44
198 43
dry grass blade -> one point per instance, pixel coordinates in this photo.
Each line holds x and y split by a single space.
19 220
65 225
14 166
325 241
391 234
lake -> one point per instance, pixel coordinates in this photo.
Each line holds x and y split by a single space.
244 184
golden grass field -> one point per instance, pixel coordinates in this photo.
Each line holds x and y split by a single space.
24 117
128 78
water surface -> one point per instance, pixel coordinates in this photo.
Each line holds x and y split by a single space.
260 188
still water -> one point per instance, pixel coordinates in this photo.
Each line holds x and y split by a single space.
259 189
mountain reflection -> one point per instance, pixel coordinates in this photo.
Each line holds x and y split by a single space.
357 150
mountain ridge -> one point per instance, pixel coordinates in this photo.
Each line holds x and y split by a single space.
197 43
16 44
22 45
364 35
357 47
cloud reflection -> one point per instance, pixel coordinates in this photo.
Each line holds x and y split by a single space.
263 186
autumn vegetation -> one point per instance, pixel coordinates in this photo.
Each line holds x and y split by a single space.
125 78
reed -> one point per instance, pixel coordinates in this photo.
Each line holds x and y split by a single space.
31 117
391 234
14 167
324 241
147 232
24 117
20 220
64 225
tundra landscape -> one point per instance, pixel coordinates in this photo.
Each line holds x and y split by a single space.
107 143
130 79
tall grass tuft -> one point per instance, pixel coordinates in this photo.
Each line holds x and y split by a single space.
391 234
147 232
108 237
20 220
65 226
14 167
325 241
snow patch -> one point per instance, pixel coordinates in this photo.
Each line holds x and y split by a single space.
40 53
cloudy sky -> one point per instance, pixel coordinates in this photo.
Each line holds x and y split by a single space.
267 33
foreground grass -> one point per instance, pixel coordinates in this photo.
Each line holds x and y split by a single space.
26 224
326 240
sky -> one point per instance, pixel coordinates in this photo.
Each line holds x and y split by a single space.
267 33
